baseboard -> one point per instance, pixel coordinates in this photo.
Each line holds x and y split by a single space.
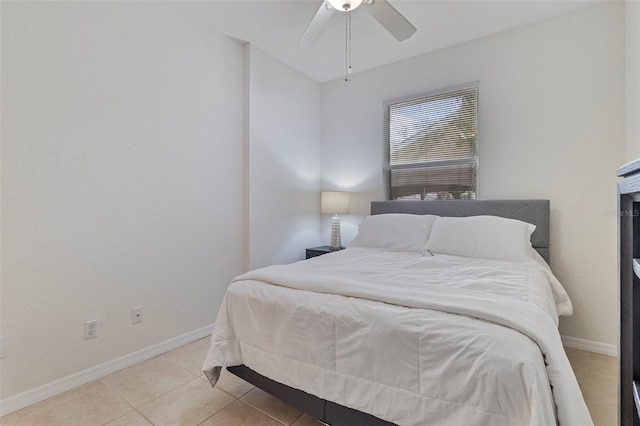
24 399
590 346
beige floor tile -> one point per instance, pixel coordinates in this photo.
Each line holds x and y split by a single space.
272 406
597 375
602 414
596 388
588 360
58 399
307 420
9 420
147 380
98 406
240 414
232 384
187 405
132 419
190 356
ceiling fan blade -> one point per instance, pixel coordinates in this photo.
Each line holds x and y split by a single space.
391 19
317 25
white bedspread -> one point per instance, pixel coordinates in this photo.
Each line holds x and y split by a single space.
415 340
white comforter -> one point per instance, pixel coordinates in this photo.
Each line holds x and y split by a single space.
414 340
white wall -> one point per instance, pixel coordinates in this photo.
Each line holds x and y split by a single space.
632 79
551 123
284 128
121 181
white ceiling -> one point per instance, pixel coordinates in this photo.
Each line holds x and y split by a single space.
276 26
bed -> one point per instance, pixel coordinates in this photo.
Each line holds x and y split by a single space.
439 313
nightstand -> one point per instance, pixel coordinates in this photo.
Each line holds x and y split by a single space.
319 251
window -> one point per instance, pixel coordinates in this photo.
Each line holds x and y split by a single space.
431 145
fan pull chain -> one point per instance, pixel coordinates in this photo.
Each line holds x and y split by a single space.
347 46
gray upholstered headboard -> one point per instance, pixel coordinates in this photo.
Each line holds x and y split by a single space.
535 212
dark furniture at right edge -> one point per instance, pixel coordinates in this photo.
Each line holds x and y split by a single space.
629 293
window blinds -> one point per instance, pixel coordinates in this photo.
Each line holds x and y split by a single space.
431 145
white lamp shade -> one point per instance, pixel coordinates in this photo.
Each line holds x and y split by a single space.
334 202
345 5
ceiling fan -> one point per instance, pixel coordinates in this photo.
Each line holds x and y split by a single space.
383 12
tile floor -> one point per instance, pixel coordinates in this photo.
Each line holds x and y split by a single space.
598 379
182 396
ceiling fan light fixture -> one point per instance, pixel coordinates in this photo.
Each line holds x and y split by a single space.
345 5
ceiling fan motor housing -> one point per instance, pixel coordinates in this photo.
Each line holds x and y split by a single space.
345 5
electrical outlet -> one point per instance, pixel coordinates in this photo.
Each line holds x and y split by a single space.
90 329
1 347
137 314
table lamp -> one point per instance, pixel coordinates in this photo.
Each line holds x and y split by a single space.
334 202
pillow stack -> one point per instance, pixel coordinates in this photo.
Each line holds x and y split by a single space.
485 237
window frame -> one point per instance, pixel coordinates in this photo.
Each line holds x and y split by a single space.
387 167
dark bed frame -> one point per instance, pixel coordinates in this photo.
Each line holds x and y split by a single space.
531 211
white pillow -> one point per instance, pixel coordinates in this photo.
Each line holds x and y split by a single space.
486 237
394 231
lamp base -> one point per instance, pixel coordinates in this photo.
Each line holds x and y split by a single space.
336 243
